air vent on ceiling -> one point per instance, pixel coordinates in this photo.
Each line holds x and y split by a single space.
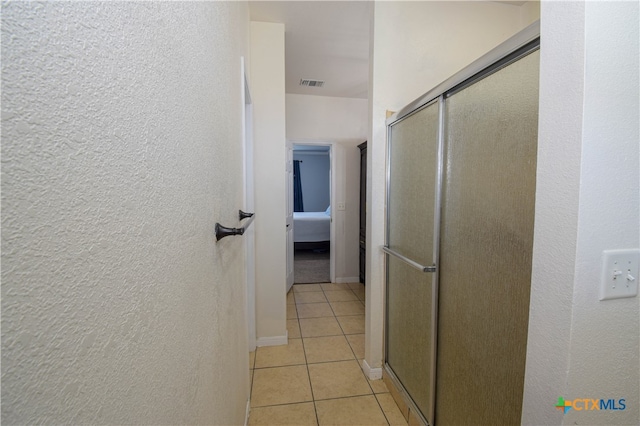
311 83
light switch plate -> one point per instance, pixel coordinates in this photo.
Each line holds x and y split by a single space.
619 274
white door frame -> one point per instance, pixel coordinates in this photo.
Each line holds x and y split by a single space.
332 195
289 216
249 206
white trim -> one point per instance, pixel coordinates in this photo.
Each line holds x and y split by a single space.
343 280
272 340
247 411
371 373
248 206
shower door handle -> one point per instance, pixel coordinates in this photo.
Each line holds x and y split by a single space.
409 261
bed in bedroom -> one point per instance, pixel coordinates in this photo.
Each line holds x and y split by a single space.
312 227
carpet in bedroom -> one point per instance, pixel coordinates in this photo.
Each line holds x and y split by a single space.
311 266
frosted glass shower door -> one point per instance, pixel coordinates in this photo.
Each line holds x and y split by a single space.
412 189
486 246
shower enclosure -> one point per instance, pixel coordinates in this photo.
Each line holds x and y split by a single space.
460 209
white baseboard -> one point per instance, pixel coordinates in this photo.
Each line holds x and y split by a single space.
247 411
272 340
371 373
342 280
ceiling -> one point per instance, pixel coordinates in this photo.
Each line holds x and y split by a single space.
324 40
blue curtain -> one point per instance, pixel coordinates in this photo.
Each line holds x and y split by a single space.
298 206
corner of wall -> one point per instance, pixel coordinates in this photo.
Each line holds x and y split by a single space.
269 119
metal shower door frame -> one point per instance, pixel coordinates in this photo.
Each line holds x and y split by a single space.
510 51
423 268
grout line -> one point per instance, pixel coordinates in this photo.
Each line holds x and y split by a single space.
355 355
313 398
329 362
346 397
284 403
359 367
382 409
299 329
279 366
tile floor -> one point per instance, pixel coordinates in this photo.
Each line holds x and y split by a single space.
316 379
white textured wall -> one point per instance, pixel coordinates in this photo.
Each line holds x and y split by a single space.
315 175
120 150
326 118
415 46
342 121
267 92
554 244
588 201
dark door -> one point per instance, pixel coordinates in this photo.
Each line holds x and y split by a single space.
363 208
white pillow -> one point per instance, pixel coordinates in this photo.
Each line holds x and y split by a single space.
328 211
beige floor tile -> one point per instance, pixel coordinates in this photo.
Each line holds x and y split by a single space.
292 313
348 308
335 286
290 414
378 386
356 341
325 349
293 329
314 310
279 356
316 327
310 297
280 385
337 380
359 294
300 288
356 286
290 299
361 410
252 359
390 409
352 324
340 296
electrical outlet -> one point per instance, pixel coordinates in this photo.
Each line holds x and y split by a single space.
341 206
619 274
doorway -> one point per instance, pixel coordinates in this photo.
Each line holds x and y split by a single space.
312 217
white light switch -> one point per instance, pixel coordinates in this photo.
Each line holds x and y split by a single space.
619 274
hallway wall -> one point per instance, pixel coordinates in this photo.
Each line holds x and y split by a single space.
267 92
587 201
121 148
